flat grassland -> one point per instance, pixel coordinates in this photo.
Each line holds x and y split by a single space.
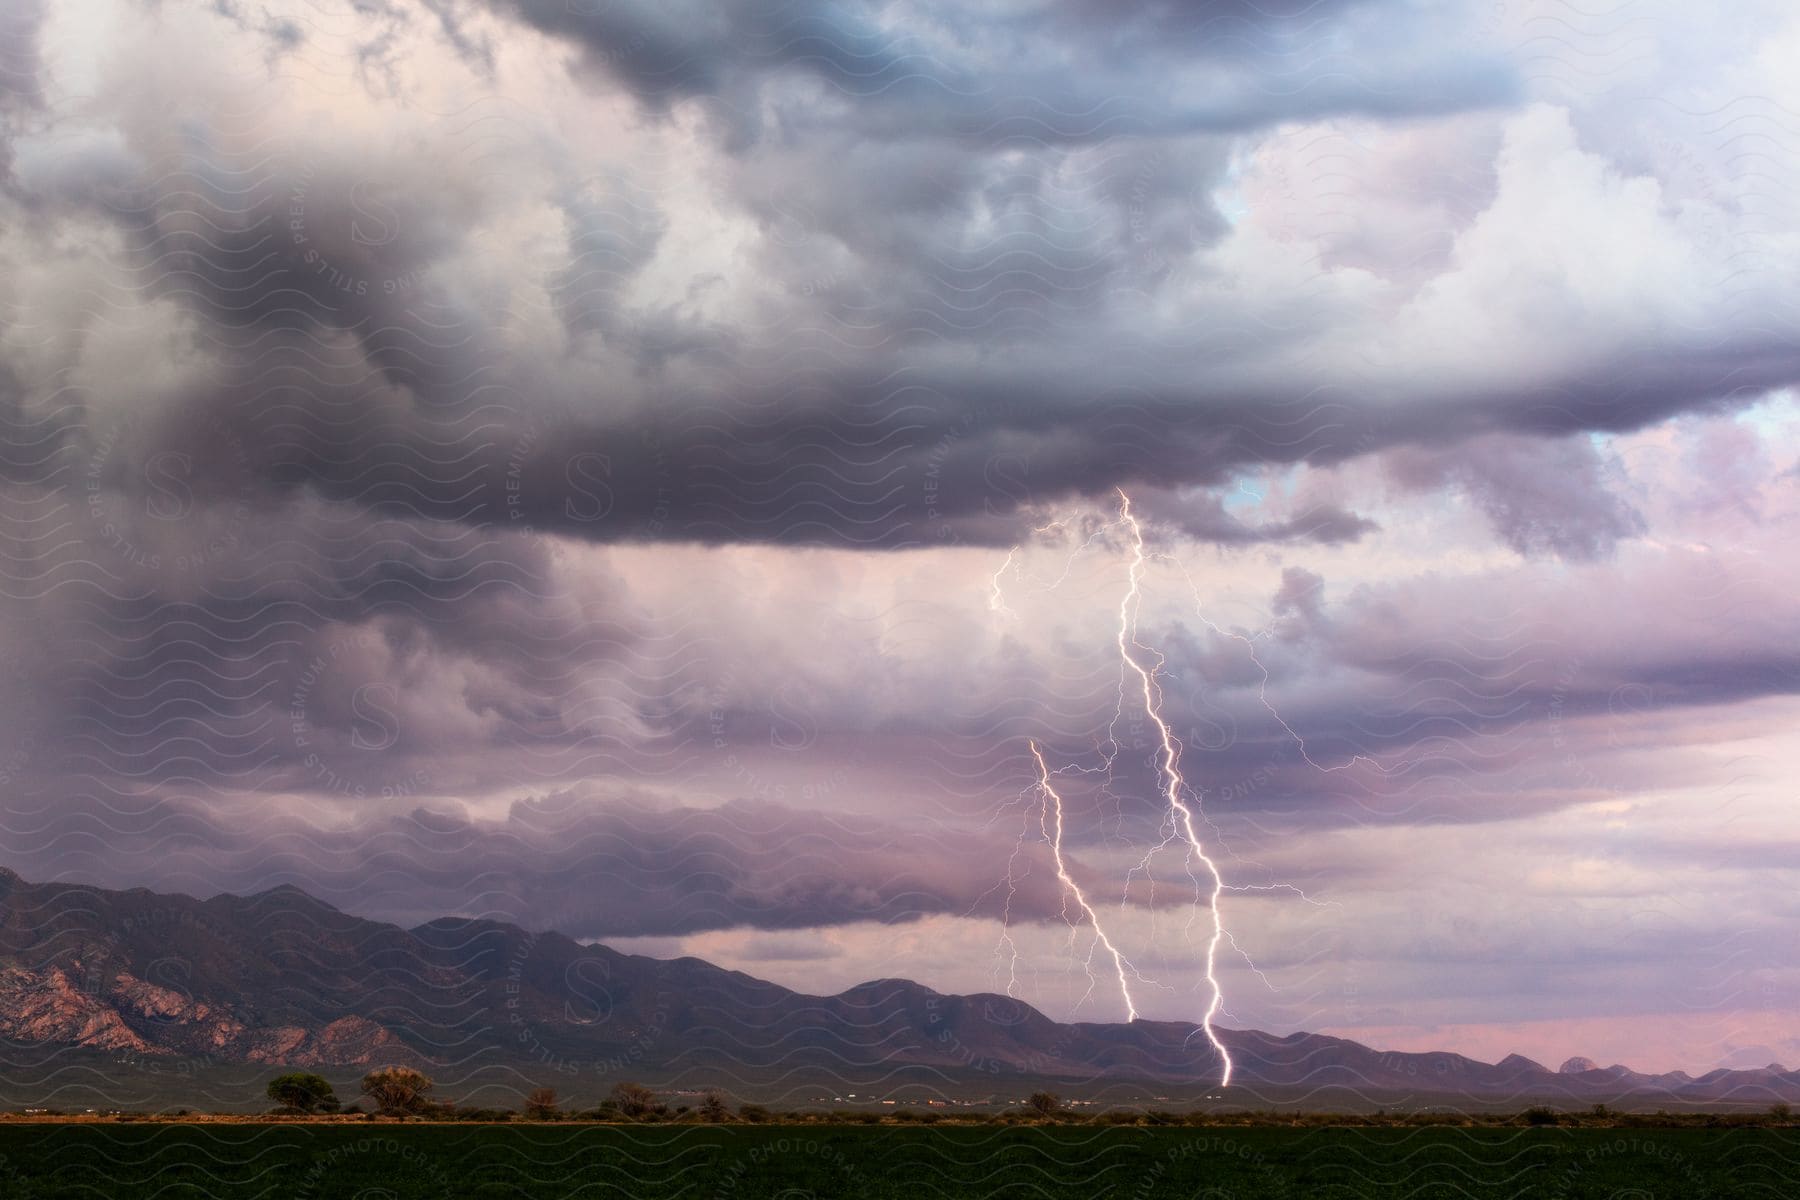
798 1162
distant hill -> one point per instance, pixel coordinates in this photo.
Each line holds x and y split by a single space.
282 978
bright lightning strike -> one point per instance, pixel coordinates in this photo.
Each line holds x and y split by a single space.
1053 833
1183 818
1180 824
1171 773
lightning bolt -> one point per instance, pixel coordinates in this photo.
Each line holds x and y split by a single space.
1053 833
1183 816
1180 822
1170 766
996 593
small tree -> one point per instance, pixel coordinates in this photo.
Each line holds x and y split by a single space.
396 1091
303 1091
712 1108
634 1099
1044 1104
540 1104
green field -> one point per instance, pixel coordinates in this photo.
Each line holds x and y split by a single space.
404 1162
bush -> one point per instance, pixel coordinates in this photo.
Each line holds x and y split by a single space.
634 1100
1044 1104
302 1091
756 1114
396 1091
540 1104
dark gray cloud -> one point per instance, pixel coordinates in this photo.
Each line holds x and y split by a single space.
1204 517
615 869
932 362
428 422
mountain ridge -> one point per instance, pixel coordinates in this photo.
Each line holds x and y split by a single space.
282 978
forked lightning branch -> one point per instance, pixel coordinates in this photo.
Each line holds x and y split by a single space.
1140 666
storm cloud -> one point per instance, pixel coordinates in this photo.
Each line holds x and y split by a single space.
656 470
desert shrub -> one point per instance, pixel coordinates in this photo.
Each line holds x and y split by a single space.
302 1091
396 1091
634 1100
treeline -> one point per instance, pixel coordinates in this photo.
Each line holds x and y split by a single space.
403 1092
1598 1116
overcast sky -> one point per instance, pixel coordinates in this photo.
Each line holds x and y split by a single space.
653 468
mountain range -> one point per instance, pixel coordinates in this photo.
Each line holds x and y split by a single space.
281 978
